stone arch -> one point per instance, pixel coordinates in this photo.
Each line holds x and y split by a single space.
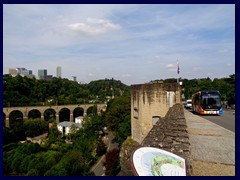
50 114
15 118
79 111
34 113
89 109
64 114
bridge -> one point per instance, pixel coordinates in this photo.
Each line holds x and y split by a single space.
25 110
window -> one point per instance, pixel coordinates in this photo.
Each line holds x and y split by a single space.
155 119
135 113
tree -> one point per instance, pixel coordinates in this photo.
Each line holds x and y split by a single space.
101 147
117 110
112 163
57 170
123 130
35 127
53 134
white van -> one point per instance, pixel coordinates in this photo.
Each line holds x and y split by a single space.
188 104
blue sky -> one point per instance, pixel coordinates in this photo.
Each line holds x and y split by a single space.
134 43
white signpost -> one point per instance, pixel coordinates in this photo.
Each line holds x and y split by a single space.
149 161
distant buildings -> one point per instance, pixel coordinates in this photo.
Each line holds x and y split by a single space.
59 72
21 72
48 77
12 71
42 73
66 127
74 78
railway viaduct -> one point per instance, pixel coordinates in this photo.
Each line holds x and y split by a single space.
25 110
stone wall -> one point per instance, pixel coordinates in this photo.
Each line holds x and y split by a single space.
169 133
150 102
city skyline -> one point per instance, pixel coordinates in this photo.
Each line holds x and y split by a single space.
133 43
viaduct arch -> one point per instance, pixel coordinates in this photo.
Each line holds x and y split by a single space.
25 110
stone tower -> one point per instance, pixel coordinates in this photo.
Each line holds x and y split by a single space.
150 102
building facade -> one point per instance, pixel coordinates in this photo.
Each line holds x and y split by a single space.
59 72
12 71
66 127
74 78
21 72
42 73
149 103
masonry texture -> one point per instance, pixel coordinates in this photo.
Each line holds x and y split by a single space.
169 133
150 102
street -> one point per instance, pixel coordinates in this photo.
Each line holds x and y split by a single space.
226 120
98 168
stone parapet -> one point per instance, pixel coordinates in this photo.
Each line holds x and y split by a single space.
169 133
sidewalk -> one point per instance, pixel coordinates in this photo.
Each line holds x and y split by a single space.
212 147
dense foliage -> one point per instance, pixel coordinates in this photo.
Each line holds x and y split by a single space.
118 117
23 91
112 162
226 86
75 157
55 156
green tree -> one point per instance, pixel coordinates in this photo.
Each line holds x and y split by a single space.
57 170
101 147
33 172
117 110
35 127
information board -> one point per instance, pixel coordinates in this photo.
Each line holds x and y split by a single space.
149 161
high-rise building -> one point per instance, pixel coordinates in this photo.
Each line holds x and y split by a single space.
42 73
74 78
59 72
12 71
21 72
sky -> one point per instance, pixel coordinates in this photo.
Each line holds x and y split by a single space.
133 43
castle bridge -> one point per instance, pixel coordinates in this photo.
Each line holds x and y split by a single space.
57 108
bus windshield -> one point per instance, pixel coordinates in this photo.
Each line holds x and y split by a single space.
210 101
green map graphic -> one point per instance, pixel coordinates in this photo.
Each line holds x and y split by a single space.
158 161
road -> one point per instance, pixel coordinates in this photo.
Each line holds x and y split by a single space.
98 168
226 120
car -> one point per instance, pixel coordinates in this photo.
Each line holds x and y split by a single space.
188 104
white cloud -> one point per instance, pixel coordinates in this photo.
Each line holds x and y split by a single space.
170 66
93 26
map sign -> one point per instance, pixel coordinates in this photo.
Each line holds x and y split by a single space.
149 161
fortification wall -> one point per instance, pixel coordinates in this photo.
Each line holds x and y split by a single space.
150 102
169 133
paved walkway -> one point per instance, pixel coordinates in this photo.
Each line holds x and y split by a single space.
211 145
98 168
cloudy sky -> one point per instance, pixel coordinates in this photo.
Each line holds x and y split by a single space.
132 43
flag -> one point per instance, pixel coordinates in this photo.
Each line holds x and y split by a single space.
178 70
